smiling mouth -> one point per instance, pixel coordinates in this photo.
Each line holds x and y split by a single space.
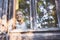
19 20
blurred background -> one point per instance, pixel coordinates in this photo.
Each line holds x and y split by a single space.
42 17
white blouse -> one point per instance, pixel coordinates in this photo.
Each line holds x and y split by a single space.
21 26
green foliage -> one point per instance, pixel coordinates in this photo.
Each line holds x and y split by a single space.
39 4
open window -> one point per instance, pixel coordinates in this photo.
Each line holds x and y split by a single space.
21 13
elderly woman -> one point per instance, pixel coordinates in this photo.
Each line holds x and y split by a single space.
20 24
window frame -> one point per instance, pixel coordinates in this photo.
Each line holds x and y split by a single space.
34 11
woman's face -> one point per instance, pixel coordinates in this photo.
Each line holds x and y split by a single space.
19 15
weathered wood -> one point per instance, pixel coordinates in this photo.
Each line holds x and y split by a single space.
58 10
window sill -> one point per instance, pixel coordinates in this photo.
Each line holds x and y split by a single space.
37 31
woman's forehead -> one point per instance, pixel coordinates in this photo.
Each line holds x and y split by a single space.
19 12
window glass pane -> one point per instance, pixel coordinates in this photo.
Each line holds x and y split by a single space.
23 14
3 7
46 14
0 7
